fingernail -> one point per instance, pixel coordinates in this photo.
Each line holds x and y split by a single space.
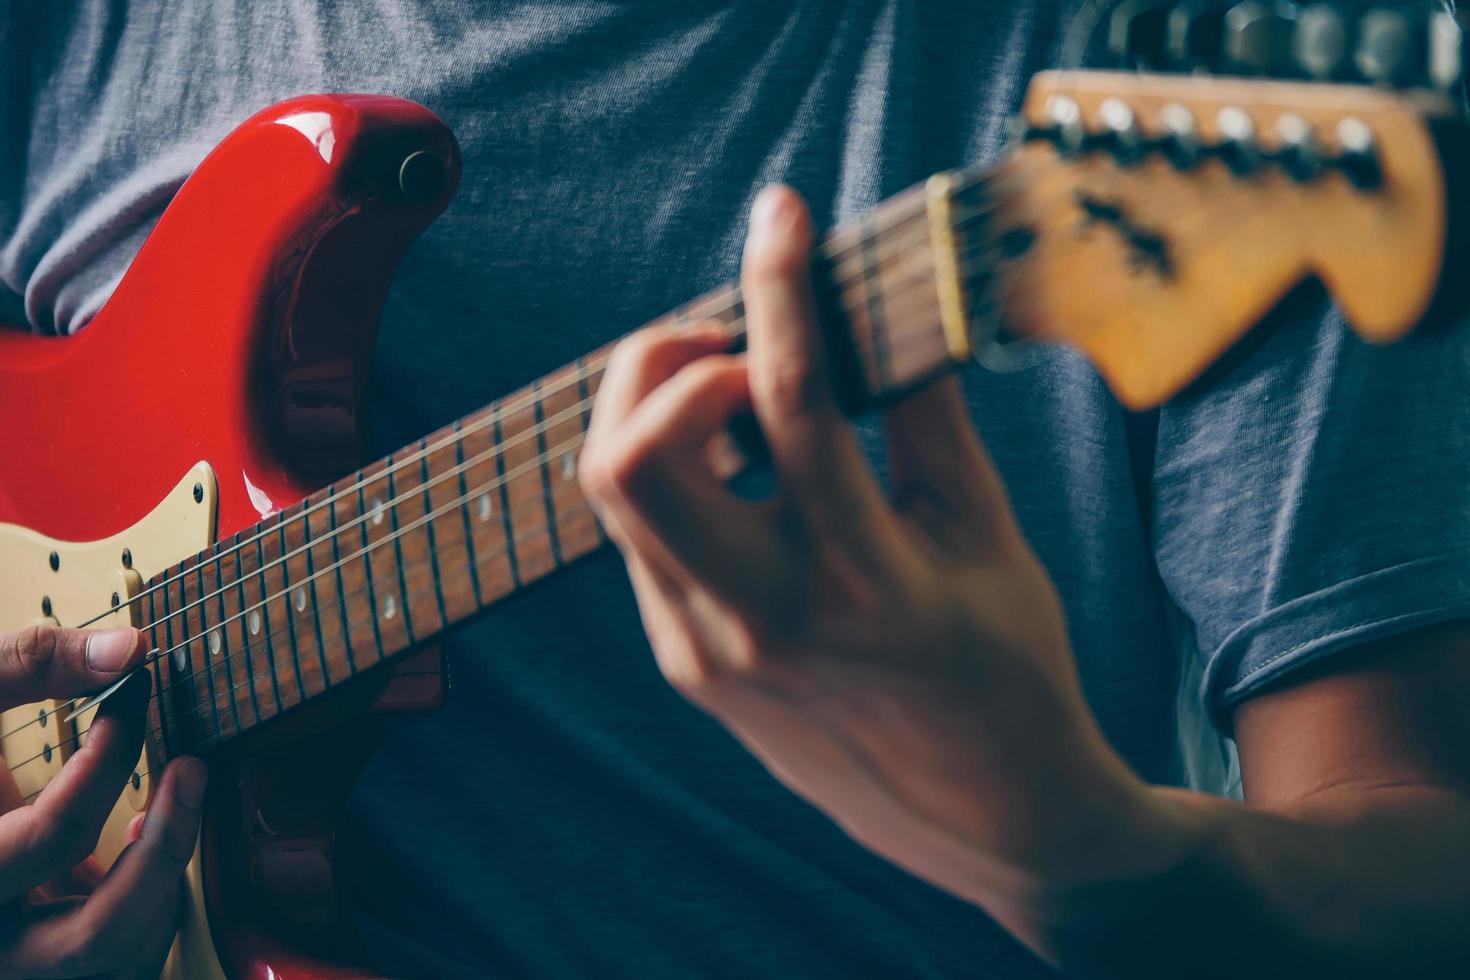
109 651
189 783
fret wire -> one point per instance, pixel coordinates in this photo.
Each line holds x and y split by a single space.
367 564
392 506
877 329
316 618
429 527
507 526
208 667
537 422
290 620
199 611
243 618
584 419
341 592
469 534
157 685
225 630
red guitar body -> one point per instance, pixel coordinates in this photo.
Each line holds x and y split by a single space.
241 337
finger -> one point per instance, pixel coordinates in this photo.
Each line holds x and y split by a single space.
813 448
55 662
142 889
643 361
938 467
45 839
655 482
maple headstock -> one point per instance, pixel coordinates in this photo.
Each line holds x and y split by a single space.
1152 220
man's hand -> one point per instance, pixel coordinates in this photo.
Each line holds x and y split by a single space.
124 926
901 662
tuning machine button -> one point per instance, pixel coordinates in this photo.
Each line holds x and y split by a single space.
1258 37
1066 131
1120 129
1357 156
1238 147
1321 44
1392 46
1180 144
1299 155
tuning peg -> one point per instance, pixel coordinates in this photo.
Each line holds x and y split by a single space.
1193 34
1136 33
1446 47
1392 46
1320 44
1258 37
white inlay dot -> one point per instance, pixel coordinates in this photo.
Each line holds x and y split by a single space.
300 595
390 607
181 660
254 622
377 511
214 642
568 466
484 507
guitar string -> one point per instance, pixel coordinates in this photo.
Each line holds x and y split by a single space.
993 178
562 416
485 457
437 514
197 711
357 624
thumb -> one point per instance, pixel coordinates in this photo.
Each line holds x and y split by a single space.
55 662
940 472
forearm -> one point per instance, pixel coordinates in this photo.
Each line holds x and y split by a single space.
1348 882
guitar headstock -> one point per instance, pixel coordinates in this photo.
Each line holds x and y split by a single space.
1152 220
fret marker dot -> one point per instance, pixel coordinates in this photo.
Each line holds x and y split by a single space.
377 511
181 660
300 600
568 466
390 607
483 507
254 623
214 642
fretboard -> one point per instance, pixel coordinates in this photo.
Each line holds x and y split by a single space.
389 557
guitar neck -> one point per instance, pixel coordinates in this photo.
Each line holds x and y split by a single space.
389 557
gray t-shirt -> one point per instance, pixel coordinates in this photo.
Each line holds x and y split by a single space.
567 814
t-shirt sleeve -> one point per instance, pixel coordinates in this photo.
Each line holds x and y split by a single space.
1313 495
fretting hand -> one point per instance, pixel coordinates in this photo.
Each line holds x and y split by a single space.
901 662
120 923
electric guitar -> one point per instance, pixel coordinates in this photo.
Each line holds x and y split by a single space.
1149 221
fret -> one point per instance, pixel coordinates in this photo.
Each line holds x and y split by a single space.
167 651
577 530
242 576
158 714
301 599
586 391
195 634
405 597
262 628
242 660
427 497
464 512
454 574
217 668
336 565
503 492
378 616
522 461
544 465
203 673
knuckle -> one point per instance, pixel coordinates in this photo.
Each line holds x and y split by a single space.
34 648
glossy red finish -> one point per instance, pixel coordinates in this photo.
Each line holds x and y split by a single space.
241 336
